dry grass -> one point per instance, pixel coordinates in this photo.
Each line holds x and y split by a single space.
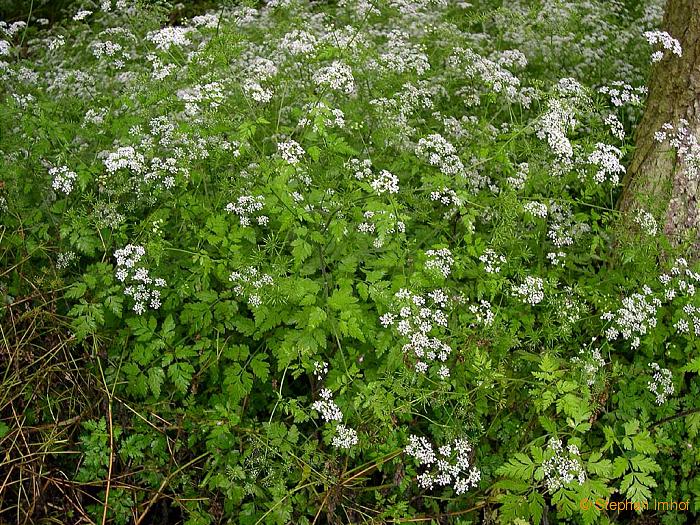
45 392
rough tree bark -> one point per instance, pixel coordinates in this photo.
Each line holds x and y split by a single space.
657 179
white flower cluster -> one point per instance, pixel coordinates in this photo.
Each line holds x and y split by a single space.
144 290
382 223
483 313
517 181
554 125
492 73
361 169
249 282
437 151
298 42
256 91
95 117
607 160
13 28
290 151
562 468
646 222
106 5
385 182
109 49
247 206
321 115
682 284
326 407
616 128
163 171
51 43
65 259
531 291
621 93
492 261
556 258
63 179
451 466
320 369
692 315
261 68
446 197
536 209
159 70
568 307
590 361
564 229
4 48
170 36
337 76
661 384
363 8
634 318
345 437
686 144
401 55
208 20
666 41
125 157
415 318
81 15
211 94
440 260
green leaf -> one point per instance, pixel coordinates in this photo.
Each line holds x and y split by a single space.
237 382
536 506
631 427
260 367
76 291
181 375
302 250
519 467
316 317
644 443
644 464
156 376
693 365
692 423
168 328
314 152
620 466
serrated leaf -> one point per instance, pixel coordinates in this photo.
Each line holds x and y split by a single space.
644 464
519 467
316 317
181 375
692 423
693 365
536 506
620 466
260 367
156 376
644 443
168 327
76 291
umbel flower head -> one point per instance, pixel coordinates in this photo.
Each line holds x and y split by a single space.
139 285
450 466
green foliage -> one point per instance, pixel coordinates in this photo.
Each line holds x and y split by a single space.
272 328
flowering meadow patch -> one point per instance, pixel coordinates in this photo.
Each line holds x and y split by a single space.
339 262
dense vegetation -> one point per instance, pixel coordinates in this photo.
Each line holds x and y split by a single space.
353 263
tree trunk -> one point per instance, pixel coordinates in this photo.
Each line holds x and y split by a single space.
658 179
